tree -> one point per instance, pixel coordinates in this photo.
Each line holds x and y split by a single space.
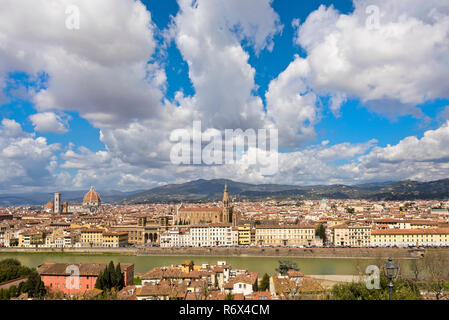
110 278
99 284
120 281
285 265
113 280
229 296
265 283
403 290
11 269
321 232
33 286
436 265
417 268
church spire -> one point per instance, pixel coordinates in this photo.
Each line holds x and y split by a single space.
225 196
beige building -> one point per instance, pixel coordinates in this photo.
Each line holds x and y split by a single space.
359 236
410 237
340 235
285 235
31 239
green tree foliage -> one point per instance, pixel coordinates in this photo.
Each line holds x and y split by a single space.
265 283
120 280
33 286
11 269
229 296
7 294
110 278
403 290
321 232
285 265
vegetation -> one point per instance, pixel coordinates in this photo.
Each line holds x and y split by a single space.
110 279
137 281
229 296
403 290
265 283
11 269
321 232
429 275
285 265
436 266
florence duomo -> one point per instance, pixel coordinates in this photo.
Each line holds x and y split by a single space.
91 204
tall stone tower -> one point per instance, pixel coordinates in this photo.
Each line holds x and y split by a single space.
57 203
227 208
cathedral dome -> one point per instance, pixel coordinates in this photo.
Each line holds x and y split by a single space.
91 196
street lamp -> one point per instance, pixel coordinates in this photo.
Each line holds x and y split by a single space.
391 270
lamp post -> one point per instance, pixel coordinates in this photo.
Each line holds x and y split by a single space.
391 270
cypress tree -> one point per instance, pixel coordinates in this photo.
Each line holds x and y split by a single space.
99 282
119 277
111 276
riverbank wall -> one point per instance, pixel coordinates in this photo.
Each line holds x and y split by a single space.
350 253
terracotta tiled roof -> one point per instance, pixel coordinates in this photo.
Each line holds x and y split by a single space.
294 273
250 278
85 269
170 273
91 196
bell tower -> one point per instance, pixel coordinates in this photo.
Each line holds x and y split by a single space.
227 209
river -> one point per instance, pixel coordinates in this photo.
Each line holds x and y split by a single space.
316 266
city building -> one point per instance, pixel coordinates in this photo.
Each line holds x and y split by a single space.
285 235
214 234
92 200
359 236
195 216
175 238
58 277
115 239
244 235
410 237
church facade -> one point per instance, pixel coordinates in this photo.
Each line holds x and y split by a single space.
199 216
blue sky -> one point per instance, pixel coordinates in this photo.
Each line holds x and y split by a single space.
365 120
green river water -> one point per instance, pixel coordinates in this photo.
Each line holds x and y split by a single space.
317 266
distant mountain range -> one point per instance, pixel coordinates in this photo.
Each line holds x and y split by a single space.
211 190
205 190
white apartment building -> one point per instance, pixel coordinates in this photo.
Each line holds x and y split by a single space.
175 238
215 234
